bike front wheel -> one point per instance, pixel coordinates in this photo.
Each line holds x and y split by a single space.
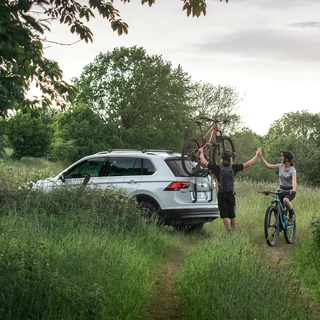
290 231
190 155
223 143
271 226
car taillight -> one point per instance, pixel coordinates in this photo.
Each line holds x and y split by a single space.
176 186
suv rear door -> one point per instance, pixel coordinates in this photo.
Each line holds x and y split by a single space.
201 188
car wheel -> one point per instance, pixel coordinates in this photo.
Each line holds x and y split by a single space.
150 210
196 227
189 228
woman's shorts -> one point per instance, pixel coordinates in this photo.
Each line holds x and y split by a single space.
286 194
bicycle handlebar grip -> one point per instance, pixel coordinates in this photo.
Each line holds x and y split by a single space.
206 119
265 192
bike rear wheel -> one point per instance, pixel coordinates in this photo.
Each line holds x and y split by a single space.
271 226
223 143
290 231
190 156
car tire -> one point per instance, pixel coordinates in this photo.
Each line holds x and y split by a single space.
150 211
189 228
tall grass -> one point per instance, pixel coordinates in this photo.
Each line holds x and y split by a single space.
26 165
85 254
16 174
226 279
237 276
76 254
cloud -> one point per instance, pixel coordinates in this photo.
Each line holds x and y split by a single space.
306 24
274 4
266 43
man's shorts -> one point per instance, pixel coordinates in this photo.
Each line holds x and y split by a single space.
227 205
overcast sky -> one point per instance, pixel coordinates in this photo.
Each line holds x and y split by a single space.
269 50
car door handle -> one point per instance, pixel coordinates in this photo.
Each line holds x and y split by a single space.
132 181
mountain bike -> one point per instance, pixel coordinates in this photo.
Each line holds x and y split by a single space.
213 143
276 220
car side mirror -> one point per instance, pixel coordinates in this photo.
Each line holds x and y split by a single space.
62 178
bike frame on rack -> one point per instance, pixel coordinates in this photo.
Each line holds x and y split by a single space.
213 133
212 139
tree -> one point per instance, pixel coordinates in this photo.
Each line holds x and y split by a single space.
79 132
22 61
246 143
300 133
28 135
142 96
216 102
2 133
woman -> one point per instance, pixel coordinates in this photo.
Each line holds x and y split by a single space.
225 173
287 179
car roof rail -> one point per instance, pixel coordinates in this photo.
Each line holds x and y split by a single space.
111 150
143 150
156 150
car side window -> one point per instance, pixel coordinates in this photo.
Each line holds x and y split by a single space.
91 167
121 166
128 166
148 168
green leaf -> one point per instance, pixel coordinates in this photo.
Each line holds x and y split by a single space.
32 22
15 67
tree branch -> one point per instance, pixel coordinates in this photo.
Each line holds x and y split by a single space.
59 43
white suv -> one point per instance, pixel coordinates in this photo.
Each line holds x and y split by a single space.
154 177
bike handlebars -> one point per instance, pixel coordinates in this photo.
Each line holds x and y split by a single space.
224 121
266 193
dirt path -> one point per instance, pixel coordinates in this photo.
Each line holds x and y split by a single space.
165 304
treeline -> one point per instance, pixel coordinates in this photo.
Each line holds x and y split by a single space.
129 99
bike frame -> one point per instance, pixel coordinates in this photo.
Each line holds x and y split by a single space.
212 133
212 139
281 222
281 211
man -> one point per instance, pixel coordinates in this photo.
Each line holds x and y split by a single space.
225 173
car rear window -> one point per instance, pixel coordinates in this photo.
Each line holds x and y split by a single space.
176 167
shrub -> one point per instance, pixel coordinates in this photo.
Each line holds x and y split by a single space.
78 133
28 135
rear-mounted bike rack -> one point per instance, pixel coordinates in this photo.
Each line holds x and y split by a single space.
195 190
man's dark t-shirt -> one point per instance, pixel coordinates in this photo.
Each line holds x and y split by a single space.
226 202
215 169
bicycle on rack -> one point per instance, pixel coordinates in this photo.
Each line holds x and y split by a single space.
276 220
213 143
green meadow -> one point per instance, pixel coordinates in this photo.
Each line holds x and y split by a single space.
87 254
